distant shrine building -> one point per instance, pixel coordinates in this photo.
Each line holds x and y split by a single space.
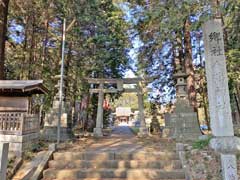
123 114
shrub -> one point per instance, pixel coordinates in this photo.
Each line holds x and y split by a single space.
135 130
201 144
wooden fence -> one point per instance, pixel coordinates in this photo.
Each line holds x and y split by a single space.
18 123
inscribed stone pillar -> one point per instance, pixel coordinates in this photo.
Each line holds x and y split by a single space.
217 81
3 160
143 129
219 101
99 120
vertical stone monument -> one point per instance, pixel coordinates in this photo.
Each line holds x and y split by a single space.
3 160
224 141
51 120
183 122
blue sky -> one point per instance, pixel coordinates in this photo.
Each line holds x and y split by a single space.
16 32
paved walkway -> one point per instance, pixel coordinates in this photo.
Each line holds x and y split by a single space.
121 140
122 131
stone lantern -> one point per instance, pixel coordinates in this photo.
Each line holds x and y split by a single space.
182 124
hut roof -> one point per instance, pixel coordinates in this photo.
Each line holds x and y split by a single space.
123 111
22 87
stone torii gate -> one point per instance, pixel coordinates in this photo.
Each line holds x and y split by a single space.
139 82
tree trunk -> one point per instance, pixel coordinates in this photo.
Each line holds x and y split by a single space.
237 107
45 40
178 55
23 74
205 106
67 66
189 64
3 31
31 48
237 98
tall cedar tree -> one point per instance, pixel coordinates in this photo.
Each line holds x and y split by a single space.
3 31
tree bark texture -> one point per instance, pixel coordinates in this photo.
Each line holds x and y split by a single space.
3 32
189 64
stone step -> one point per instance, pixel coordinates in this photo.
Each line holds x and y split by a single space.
64 156
149 174
108 179
132 164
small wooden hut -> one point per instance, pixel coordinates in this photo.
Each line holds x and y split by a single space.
17 125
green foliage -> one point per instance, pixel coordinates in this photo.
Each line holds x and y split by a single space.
127 100
97 40
36 147
233 57
238 156
201 144
28 155
11 162
95 43
106 114
135 130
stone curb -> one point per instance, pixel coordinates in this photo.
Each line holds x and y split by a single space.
182 156
34 169
38 174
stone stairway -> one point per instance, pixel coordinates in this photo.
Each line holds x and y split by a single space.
95 165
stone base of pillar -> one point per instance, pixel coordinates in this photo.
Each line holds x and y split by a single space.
143 131
97 132
229 166
228 147
50 134
184 122
229 144
18 144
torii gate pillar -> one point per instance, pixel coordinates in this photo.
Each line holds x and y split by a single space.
99 122
143 129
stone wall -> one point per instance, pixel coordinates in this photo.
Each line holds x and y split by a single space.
19 143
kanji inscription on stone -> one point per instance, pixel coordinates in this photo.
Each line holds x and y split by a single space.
215 40
229 168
